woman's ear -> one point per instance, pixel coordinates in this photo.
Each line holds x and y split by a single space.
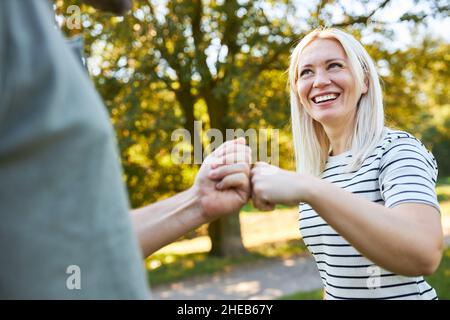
365 87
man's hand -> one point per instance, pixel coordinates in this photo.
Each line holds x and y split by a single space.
222 187
223 183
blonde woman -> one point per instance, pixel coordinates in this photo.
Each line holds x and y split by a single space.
369 212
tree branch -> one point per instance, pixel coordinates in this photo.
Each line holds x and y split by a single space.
361 19
199 45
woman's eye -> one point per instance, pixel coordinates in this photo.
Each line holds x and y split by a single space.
305 72
335 65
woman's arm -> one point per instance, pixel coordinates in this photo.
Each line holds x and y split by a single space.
406 239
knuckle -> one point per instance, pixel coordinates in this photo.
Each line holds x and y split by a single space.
245 167
220 171
244 176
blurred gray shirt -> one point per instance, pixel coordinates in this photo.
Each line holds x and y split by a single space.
62 199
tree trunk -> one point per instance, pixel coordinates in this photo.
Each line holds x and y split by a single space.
225 233
226 239
187 102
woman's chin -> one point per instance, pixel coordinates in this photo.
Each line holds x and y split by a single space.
332 117
327 117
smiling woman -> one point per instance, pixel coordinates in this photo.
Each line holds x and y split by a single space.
326 84
369 211
333 78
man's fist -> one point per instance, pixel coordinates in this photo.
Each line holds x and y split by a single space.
223 181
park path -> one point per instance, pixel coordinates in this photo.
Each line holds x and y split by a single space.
264 280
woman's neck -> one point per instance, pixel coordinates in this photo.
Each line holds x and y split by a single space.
340 138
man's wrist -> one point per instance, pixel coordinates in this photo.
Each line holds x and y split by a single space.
194 195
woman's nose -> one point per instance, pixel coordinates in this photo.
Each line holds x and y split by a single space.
321 79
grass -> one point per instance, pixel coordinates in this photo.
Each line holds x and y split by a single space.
166 267
443 189
443 193
310 295
440 281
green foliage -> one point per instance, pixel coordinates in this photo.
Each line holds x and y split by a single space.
155 73
165 65
417 95
442 181
169 63
440 280
309 295
443 192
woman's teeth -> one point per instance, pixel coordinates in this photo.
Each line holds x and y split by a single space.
326 97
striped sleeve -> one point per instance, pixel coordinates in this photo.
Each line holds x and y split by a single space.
408 173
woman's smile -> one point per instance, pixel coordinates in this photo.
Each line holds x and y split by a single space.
326 84
325 99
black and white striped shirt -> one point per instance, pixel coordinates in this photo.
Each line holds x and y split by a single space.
400 170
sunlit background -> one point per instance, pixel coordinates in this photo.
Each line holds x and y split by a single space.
169 63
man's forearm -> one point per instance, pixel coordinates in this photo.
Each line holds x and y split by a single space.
161 223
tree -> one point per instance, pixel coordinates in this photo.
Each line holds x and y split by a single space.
200 51
417 94
168 64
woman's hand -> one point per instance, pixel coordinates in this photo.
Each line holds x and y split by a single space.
272 185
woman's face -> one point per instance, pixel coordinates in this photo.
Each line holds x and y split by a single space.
326 85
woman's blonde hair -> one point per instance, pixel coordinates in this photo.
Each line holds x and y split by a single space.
310 140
